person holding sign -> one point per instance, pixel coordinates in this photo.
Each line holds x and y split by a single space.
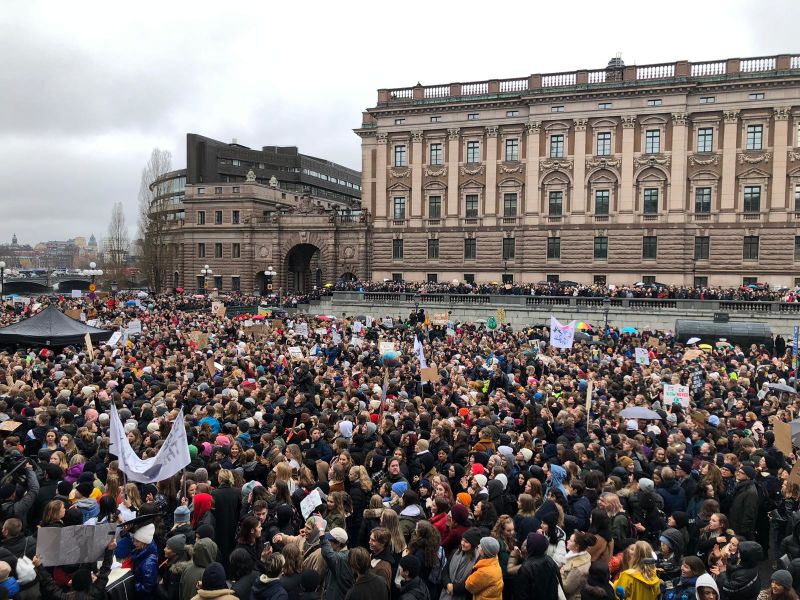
82 585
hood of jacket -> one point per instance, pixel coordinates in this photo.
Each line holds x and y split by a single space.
412 511
263 587
415 588
557 475
675 538
750 553
705 580
373 513
641 577
205 552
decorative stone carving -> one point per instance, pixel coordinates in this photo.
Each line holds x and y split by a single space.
679 118
349 252
399 173
556 165
628 122
793 155
603 163
580 124
365 133
435 171
250 177
781 113
731 116
474 170
651 161
383 138
534 126
491 131
273 182
514 167
453 133
416 136
753 159
264 252
703 161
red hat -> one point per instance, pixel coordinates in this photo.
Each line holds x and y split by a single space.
478 469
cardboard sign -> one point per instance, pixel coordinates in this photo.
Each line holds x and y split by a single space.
783 436
386 347
676 393
9 425
642 356
692 353
653 342
73 313
589 390
89 348
439 318
430 374
276 323
794 475
211 366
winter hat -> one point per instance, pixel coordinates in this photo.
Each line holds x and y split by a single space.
85 489
685 465
400 487
411 564
625 461
749 471
464 498
81 580
490 546
193 451
481 479
309 580
536 544
730 467
501 477
646 485
177 543
182 514
783 578
214 577
527 454
473 536
144 535
460 513
631 425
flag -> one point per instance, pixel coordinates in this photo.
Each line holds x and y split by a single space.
384 391
171 458
420 352
561 336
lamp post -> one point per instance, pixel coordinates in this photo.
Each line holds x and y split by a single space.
2 279
114 290
93 272
206 272
606 305
269 274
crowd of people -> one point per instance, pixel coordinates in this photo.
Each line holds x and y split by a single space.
328 467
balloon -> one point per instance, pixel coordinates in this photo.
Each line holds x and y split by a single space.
491 323
391 359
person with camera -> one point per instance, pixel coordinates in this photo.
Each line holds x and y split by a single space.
14 504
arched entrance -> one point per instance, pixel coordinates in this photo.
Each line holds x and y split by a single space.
303 268
347 276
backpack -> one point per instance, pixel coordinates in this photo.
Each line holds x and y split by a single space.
631 528
437 573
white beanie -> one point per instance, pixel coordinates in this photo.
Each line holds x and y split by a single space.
144 535
481 479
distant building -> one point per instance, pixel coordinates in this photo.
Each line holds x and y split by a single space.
17 256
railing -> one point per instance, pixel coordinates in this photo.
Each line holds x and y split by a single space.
708 68
559 80
402 94
745 306
656 72
475 89
437 91
514 85
597 77
469 299
755 65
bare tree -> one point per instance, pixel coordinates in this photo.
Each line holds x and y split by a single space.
155 249
117 243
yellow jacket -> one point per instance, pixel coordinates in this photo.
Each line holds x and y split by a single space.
486 580
637 586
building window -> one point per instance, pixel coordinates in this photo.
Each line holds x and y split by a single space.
471 206
553 248
201 282
707 99
397 249
512 113
235 189
652 141
434 207
512 149
559 108
201 217
649 247
651 201
235 218
509 248
437 157
797 247
201 250
604 106
201 191
648 278
432 278
217 190
236 284
705 139
473 152
749 280
797 198
218 250
654 102
599 279
218 282
433 249
757 96
399 121
701 281
399 209
470 249
755 135
557 146
217 217
236 162
469 278
400 155
600 248
397 277
552 278
436 119
752 198
601 201
260 165
510 205
508 278
604 143
473 116
750 247
555 204
702 200
236 251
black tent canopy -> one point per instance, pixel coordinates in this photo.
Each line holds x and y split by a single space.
51 327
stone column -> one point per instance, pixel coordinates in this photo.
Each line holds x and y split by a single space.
380 178
677 193
453 139
490 201
416 174
579 170
779 158
367 173
626 192
532 168
730 142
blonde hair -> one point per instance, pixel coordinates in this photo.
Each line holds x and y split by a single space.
363 478
225 476
391 521
642 551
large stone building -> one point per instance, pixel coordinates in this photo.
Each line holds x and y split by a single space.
678 172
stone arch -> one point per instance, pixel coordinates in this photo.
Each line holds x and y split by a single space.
602 182
651 177
307 260
555 182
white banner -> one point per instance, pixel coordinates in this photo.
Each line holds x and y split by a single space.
420 352
171 458
561 336
134 327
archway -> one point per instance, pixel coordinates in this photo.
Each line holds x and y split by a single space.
303 268
74 284
347 276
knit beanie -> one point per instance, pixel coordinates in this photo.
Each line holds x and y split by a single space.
182 514
536 544
473 536
490 546
214 577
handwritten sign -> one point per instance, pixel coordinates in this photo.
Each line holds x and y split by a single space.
440 318
295 352
336 337
134 327
114 339
211 366
642 356
302 330
310 503
676 393
76 544
76 293
89 347
430 374
73 313
386 347
9 425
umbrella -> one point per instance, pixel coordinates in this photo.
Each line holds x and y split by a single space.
629 330
258 317
723 344
179 290
582 337
328 285
481 321
583 325
325 318
141 295
693 340
782 387
130 303
705 347
639 412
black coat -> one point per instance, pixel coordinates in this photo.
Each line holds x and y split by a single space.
742 582
369 587
538 579
227 504
414 590
744 509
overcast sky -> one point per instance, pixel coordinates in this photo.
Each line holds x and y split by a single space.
87 89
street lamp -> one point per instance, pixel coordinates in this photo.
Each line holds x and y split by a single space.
114 290
206 272
2 278
93 272
269 274
606 305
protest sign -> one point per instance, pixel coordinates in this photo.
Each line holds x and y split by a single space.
114 339
310 503
561 336
321 331
783 436
211 366
794 475
589 390
9 425
386 347
134 327
676 393
89 348
358 342
295 352
642 356
439 318
692 353
337 338
73 313
276 323
76 293
73 545
430 374
387 322
249 323
357 327
302 330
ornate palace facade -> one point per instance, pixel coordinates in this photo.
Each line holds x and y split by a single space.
679 173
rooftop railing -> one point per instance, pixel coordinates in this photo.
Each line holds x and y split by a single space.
679 71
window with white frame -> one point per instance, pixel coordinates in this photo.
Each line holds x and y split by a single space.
650 203
705 139
557 145
436 119
755 137
399 121
707 99
702 200
557 109
473 152
604 106
756 96
512 149
604 143
473 116
436 154
652 141
399 208
654 102
512 113
400 155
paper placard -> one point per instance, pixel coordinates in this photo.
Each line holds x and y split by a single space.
321 331
450 332
9 425
76 544
692 353
430 374
642 356
134 327
76 293
387 322
295 352
302 330
309 503
336 337
89 347
679 393
114 339
357 327
439 318
386 347
358 342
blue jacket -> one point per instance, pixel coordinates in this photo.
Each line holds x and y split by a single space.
145 568
215 426
12 586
